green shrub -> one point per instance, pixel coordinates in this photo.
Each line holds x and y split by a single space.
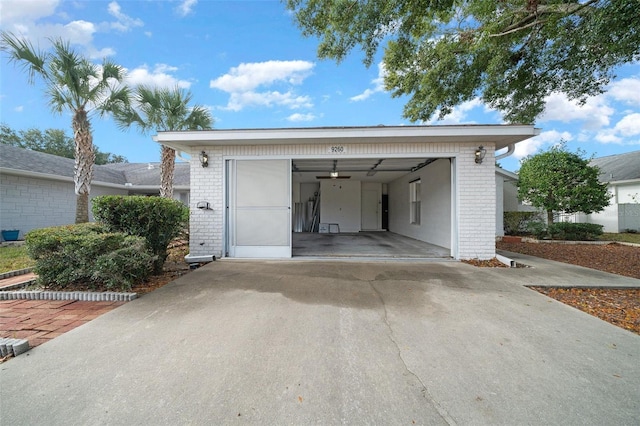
87 253
125 266
574 231
517 223
158 220
538 229
568 231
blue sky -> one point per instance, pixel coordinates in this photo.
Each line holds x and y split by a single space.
249 64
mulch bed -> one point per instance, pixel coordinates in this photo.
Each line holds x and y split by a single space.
620 307
614 258
491 263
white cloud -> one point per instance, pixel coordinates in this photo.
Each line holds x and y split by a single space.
158 77
301 117
626 90
246 77
459 113
19 108
238 101
628 126
533 145
186 7
78 32
378 85
21 11
594 114
242 82
24 19
124 22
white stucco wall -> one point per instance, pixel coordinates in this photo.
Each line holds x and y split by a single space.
340 204
474 185
627 193
435 204
608 218
623 193
31 203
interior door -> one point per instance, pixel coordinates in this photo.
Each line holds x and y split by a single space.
259 221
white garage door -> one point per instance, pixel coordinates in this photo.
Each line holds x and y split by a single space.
259 220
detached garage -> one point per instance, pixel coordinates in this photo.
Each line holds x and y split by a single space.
257 193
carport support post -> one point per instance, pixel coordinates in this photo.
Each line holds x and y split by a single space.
205 225
476 203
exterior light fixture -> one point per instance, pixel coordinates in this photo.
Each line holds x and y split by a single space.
334 173
480 153
204 159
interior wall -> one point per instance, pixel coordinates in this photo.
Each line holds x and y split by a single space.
340 203
435 204
376 211
303 194
308 190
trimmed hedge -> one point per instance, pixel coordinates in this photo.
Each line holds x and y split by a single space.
87 253
158 220
569 231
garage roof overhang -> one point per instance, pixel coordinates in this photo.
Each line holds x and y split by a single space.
501 135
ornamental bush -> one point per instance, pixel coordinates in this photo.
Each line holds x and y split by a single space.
574 231
158 220
89 254
517 223
569 231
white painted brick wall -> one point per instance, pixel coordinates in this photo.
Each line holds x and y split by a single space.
205 233
476 197
476 204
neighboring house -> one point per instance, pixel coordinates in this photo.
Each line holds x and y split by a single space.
622 174
418 181
37 189
507 198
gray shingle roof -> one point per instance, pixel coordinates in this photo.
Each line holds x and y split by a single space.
618 167
139 174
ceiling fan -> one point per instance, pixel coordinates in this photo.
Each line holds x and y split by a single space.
334 173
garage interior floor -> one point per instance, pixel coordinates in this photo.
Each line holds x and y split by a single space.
364 244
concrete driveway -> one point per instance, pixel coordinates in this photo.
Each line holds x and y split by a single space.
291 342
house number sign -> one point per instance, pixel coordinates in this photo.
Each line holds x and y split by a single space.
337 149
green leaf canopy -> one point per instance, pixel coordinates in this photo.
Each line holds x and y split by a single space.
510 53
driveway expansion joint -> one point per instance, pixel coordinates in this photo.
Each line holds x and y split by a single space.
425 391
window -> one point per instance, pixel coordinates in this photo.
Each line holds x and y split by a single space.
414 201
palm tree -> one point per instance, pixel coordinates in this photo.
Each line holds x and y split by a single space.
74 84
163 109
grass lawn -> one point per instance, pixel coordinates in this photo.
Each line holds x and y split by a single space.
622 237
13 258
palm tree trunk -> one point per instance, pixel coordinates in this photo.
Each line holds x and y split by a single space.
167 168
84 160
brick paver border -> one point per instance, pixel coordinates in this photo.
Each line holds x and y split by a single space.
39 321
